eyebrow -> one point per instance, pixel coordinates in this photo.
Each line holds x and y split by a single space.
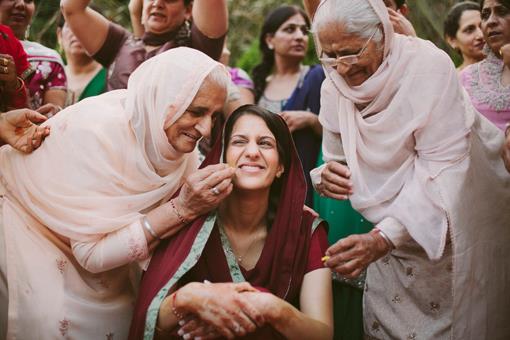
246 137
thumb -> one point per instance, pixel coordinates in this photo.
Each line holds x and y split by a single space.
35 117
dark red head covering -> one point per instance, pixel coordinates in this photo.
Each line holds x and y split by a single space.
289 240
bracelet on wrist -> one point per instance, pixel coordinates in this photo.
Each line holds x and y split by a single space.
147 226
384 236
177 213
507 129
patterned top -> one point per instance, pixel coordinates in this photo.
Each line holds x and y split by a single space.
49 72
483 84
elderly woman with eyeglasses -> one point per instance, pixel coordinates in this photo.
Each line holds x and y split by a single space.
404 144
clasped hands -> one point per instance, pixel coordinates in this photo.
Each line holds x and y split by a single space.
351 255
213 310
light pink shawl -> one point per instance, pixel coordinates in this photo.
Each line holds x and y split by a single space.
390 153
108 158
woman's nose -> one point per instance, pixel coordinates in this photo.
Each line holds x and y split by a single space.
251 150
342 68
204 126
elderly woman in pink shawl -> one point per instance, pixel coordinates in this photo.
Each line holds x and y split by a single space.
403 142
82 212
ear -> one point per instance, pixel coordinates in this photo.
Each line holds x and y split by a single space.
280 171
269 41
189 11
404 10
452 42
59 35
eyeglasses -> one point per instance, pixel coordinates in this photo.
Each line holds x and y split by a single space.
346 59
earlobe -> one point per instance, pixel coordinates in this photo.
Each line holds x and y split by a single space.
269 39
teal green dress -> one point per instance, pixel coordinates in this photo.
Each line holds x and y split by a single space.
343 221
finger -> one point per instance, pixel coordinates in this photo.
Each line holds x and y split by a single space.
349 269
201 174
337 188
339 169
223 185
336 196
216 178
244 287
241 323
35 117
342 245
189 326
45 109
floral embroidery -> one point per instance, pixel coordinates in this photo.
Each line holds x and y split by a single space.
375 326
61 265
137 246
109 336
484 83
64 326
396 299
45 68
434 306
409 272
411 336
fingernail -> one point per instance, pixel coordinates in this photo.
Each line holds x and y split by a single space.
181 322
198 338
325 258
186 336
180 332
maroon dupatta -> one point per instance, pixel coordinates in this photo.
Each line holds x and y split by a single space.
288 242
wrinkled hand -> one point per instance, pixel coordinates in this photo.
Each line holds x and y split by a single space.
401 24
297 120
505 54
17 128
197 195
335 181
222 306
351 255
193 327
505 152
49 109
8 77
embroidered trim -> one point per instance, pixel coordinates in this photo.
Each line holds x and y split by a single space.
484 83
233 266
64 326
61 265
137 244
192 258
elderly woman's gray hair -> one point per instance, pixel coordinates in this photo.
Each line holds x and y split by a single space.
358 16
219 76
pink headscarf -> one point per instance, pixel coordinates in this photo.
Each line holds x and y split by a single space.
108 158
401 147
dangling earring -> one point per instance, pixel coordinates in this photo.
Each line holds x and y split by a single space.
27 32
279 174
271 47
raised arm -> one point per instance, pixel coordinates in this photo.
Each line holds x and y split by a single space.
311 6
135 13
211 17
90 27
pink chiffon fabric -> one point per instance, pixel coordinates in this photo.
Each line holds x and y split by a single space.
82 194
421 157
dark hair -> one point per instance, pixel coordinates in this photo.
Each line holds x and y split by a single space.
272 23
451 23
400 3
505 3
283 138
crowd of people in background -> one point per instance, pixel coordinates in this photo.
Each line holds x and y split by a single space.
148 189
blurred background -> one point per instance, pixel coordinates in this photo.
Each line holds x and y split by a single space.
246 17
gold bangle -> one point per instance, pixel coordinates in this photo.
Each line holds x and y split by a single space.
507 129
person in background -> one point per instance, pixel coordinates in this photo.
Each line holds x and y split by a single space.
85 76
14 70
463 33
398 11
427 173
487 82
285 86
260 250
201 24
47 86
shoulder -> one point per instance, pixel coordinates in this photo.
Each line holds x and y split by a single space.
428 58
36 50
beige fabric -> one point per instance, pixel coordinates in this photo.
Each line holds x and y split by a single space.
71 215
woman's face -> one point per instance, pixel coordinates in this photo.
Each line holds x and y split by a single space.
197 120
336 42
469 37
495 24
161 16
17 14
252 151
69 42
291 38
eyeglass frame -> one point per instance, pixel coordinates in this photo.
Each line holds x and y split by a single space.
333 62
